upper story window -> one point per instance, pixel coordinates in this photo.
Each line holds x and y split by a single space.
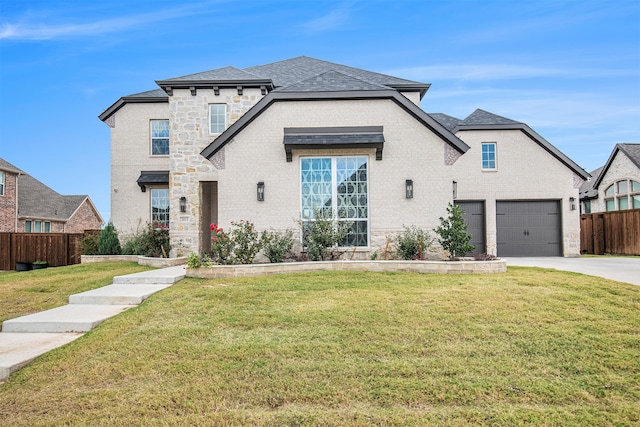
159 137
621 195
1 183
489 155
217 118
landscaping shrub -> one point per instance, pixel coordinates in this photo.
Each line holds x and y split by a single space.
195 260
89 243
153 241
239 246
277 245
413 243
108 243
323 235
453 234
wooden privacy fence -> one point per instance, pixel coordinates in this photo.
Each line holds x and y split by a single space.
57 249
615 232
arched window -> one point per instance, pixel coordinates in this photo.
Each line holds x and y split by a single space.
621 195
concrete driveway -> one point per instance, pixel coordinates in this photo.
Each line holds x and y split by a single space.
622 269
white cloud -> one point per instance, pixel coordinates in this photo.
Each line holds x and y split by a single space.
488 72
332 20
31 28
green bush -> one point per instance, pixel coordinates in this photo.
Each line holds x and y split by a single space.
413 243
108 243
239 246
277 245
195 260
153 241
89 243
322 235
453 234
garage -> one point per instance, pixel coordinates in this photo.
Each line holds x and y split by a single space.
528 228
474 217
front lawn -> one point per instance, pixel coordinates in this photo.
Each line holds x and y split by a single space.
527 347
29 292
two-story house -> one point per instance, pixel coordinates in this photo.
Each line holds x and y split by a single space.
28 205
271 143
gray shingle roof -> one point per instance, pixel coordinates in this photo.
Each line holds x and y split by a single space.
632 151
587 189
6 166
331 81
149 94
36 200
445 120
481 117
290 71
225 73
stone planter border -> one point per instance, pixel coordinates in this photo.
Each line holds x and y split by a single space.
442 267
142 260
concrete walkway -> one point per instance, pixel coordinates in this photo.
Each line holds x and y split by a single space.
27 337
621 269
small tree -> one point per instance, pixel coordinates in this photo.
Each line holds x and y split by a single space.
108 244
453 234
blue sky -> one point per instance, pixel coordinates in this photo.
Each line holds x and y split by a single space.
569 69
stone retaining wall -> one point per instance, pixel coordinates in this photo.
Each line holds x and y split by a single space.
142 260
442 267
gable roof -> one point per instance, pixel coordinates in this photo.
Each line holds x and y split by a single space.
632 151
484 120
587 189
278 96
36 200
302 73
445 120
6 166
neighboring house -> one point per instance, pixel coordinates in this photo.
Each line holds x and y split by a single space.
270 143
616 185
27 205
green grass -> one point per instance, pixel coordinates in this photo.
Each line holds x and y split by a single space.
528 347
28 292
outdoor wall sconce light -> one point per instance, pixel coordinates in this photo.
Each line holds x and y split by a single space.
183 204
261 191
409 188
454 188
572 203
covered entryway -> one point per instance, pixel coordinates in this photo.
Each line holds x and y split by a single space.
208 212
474 216
528 228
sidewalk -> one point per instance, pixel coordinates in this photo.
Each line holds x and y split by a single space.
27 337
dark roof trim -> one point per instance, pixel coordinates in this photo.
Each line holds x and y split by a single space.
605 168
333 138
152 178
130 100
169 85
546 145
276 96
422 88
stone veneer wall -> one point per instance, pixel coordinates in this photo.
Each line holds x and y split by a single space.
189 136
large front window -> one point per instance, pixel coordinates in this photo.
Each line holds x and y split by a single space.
160 206
159 137
337 186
